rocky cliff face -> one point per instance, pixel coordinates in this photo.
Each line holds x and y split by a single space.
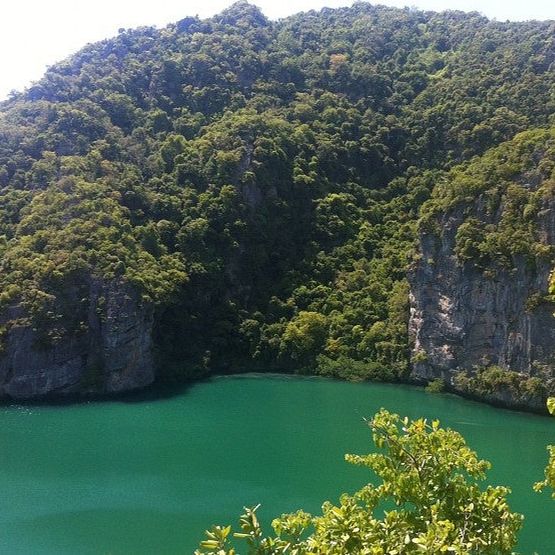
112 352
464 317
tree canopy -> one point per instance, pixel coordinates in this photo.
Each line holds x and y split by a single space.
260 182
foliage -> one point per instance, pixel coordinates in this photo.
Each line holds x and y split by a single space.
259 183
500 195
427 501
436 386
549 480
490 380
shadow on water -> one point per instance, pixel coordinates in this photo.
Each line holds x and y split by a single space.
158 391
154 392
166 390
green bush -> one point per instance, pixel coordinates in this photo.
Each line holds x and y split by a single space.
426 499
436 386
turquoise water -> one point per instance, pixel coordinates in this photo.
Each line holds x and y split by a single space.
147 476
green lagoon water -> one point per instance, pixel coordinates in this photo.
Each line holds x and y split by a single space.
147 476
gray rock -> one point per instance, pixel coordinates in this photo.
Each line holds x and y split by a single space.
462 317
113 353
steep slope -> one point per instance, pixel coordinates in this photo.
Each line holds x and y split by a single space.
245 192
481 297
113 353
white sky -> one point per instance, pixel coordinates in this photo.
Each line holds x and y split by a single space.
38 33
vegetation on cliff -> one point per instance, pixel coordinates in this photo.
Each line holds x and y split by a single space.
512 180
260 182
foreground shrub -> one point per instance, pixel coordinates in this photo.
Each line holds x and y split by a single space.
427 500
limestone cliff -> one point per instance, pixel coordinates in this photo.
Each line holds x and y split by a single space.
110 352
469 316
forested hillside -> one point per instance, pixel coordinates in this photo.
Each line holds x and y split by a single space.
252 188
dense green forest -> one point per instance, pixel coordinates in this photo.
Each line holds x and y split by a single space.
260 183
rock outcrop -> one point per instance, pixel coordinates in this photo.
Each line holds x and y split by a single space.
463 317
112 352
